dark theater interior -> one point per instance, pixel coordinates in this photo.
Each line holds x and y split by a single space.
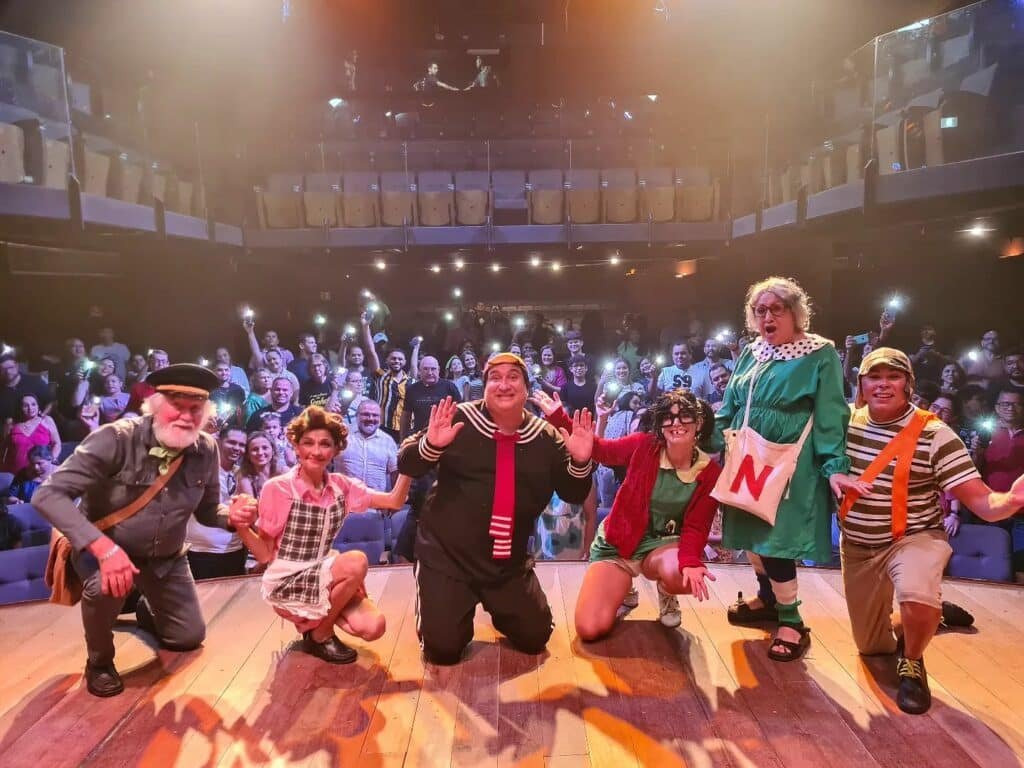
555 383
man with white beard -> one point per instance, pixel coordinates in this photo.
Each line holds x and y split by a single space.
113 468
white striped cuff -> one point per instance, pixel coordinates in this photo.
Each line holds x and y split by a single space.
579 472
427 453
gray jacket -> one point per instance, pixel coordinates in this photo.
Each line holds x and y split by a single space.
111 468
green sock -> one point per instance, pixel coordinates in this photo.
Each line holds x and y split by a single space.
789 613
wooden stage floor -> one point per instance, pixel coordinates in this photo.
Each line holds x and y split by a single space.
702 695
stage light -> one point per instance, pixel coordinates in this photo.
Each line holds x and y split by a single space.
459 263
457 293
336 102
495 267
535 261
978 230
435 268
555 266
380 264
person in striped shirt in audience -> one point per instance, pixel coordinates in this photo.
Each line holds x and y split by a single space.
893 539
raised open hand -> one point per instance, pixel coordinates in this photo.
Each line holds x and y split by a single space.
440 430
580 442
548 404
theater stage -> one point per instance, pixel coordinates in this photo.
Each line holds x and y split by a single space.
702 695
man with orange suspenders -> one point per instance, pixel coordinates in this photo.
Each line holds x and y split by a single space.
893 541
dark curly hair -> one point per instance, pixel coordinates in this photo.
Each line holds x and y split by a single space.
679 402
315 417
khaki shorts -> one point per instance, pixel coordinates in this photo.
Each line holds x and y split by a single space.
632 567
909 568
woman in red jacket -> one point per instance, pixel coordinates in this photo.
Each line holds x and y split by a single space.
660 519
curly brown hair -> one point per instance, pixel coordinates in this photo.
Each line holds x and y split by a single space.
684 403
315 417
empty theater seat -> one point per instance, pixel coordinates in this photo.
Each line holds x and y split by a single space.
12 154
322 199
583 195
696 194
360 199
509 201
96 176
546 197
56 163
397 199
472 197
280 205
657 194
126 179
436 198
619 190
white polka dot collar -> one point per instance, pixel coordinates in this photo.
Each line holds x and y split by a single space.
763 351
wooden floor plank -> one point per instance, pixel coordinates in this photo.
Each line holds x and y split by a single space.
78 723
701 695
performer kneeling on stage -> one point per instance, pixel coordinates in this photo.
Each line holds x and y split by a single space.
494 479
660 519
110 472
300 514
893 539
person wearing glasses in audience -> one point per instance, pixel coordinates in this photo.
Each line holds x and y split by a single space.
795 375
107 473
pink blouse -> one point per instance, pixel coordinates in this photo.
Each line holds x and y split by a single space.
280 492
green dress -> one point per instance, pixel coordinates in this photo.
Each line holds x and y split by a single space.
795 380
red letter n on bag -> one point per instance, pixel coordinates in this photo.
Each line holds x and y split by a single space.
754 482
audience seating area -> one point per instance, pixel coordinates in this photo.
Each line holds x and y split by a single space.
361 198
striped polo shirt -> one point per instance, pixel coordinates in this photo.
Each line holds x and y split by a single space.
940 463
391 396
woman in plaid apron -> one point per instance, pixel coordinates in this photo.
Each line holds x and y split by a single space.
300 514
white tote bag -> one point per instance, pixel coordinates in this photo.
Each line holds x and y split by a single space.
757 471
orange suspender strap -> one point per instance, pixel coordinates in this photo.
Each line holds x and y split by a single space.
902 448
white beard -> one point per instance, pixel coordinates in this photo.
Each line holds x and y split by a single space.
175 439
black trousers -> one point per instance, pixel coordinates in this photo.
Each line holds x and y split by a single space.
445 607
214 565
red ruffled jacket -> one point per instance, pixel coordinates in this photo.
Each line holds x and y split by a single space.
630 515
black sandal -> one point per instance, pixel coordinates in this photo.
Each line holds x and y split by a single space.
741 613
793 650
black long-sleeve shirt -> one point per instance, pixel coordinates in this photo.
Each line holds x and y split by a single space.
453 533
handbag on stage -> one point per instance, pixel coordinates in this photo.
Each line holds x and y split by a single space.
60 576
756 472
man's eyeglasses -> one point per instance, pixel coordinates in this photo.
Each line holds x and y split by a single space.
776 310
1005 404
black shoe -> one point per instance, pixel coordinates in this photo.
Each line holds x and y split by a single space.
332 650
741 613
913 696
103 681
955 616
144 617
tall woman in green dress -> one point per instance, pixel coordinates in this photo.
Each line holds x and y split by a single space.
796 375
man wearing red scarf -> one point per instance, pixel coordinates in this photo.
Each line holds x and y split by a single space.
497 467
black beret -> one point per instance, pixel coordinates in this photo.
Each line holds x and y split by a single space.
184 379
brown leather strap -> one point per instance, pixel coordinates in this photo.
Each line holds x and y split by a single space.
147 496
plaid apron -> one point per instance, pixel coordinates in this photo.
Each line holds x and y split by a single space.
305 543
